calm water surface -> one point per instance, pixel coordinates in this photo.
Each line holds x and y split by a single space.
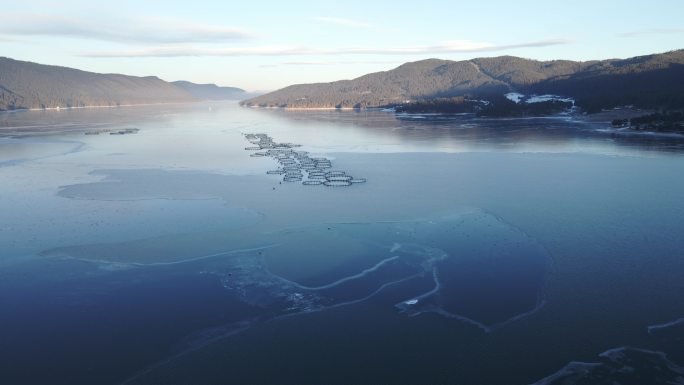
477 252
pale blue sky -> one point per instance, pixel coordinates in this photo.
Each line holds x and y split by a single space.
264 45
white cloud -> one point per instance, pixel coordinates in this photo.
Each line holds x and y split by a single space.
455 46
342 22
652 31
134 30
327 63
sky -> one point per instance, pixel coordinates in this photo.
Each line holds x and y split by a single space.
265 45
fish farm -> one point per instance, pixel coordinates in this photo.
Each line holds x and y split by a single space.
298 166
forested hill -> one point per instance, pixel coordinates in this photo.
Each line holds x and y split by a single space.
645 80
30 85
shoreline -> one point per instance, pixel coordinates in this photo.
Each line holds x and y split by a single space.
608 116
114 106
605 114
604 117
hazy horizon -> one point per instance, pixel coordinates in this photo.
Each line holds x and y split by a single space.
266 46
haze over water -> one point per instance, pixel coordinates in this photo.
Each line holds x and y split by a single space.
478 251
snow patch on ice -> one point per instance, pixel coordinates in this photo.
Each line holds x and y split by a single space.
521 98
514 96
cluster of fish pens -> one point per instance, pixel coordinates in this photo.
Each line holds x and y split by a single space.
295 164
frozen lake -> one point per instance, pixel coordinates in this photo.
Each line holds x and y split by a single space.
476 252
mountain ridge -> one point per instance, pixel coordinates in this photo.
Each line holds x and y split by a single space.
28 85
653 78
